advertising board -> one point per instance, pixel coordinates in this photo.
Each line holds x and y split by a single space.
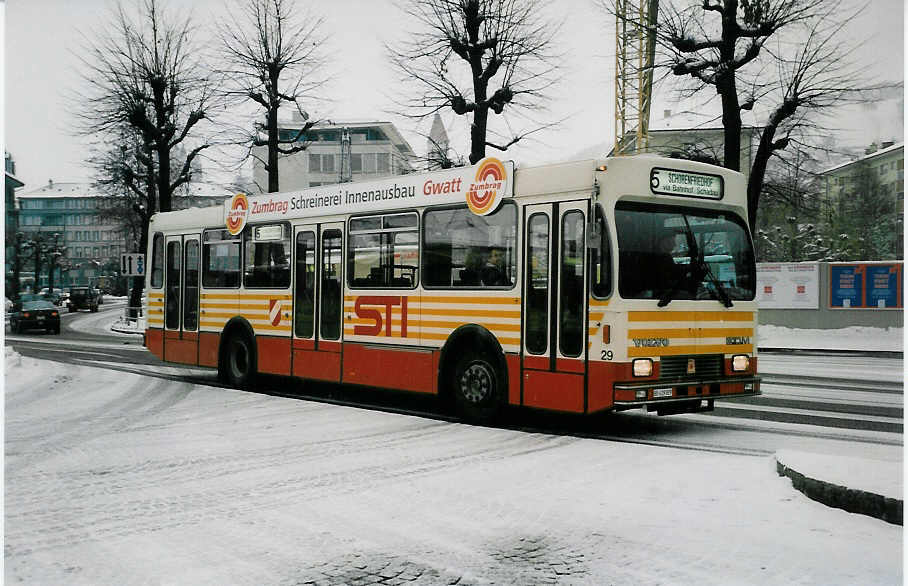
865 285
788 285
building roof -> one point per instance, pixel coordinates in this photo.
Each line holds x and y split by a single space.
12 181
65 189
388 128
877 153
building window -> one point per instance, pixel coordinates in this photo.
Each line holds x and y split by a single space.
356 163
315 163
383 162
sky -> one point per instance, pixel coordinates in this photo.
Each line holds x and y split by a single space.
43 40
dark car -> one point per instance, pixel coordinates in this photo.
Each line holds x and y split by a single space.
32 315
83 298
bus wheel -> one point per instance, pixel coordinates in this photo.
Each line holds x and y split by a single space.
477 389
239 361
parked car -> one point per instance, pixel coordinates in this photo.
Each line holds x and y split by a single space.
56 296
34 315
83 298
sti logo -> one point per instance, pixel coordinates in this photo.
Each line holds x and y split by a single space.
483 196
236 215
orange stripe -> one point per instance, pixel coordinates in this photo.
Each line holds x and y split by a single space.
690 316
470 312
691 349
689 332
502 341
468 299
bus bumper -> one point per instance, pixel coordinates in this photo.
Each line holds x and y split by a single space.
668 397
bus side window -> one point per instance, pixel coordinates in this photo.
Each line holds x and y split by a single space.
157 261
601 259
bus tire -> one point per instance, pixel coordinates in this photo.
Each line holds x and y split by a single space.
477 388
238 363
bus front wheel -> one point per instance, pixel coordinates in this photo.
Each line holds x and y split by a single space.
239 361
478 389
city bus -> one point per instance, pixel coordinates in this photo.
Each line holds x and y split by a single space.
579 287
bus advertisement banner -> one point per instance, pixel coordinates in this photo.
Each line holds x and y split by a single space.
865 285
788 285
482 187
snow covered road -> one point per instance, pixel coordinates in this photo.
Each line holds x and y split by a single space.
118 478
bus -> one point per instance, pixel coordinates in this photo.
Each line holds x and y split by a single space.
581 287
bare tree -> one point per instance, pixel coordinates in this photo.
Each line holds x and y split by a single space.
147 89
477 57
146 75
782 57
274 57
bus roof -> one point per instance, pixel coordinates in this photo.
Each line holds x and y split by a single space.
613 177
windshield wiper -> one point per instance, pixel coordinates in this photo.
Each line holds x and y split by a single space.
682 276
721 293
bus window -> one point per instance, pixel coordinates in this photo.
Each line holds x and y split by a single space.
267 256
537 316
157 261
601 260
220 260
304 303
463 250
191 290
332 301
383 251
570 318
172 296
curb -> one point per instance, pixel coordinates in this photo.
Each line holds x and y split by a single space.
841 497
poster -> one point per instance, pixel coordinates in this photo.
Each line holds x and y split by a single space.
788 285
865 285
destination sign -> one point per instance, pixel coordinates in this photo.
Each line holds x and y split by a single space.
685 183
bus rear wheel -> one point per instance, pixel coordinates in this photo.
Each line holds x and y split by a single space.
239 361
478 389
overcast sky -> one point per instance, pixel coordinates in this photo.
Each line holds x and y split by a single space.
43 39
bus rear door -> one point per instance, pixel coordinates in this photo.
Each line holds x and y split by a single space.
181 299
554 306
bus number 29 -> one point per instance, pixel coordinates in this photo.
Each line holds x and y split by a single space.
608 355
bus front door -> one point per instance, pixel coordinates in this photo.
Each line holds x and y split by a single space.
553 357
318 301
181 299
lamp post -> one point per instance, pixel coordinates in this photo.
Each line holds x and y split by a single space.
54 253
17 266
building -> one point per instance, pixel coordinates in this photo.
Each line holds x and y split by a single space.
886 163
11 224
376 149
93 240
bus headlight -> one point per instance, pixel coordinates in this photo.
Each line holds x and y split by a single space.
643 367
740 362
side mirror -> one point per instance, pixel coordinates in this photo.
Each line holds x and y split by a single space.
593 234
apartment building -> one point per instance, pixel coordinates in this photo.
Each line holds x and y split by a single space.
375 149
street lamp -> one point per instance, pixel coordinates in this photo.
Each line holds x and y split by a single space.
54 254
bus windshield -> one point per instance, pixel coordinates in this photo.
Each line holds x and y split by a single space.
669 253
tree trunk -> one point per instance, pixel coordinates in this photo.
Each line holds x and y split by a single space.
273 136
478 135
757 174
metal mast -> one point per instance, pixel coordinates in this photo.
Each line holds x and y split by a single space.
345 168
635 54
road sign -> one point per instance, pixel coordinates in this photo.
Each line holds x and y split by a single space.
132 264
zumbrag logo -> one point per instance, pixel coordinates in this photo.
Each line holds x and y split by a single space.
484 196
236 216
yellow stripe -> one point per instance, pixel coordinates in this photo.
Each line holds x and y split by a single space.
234 295
599 302
476 300
471 312
502 341
674 350
456 324
690 316
689 333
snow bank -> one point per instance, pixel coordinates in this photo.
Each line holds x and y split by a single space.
874 476
852 338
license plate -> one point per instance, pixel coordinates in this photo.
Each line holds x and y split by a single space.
661 393
40 318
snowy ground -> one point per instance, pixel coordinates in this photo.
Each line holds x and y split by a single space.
853 338
115 478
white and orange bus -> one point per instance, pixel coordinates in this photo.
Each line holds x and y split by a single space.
578 287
